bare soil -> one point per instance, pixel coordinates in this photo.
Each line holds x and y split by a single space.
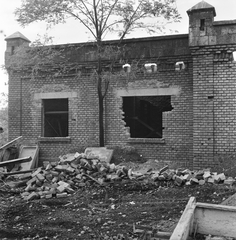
96 212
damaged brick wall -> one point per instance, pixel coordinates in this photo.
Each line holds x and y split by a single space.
197 132
176 145
83 109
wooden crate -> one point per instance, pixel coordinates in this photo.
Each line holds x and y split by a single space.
207 219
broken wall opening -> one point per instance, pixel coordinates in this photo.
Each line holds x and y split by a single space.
143 115
55 117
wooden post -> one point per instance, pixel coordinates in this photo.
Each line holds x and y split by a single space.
184 225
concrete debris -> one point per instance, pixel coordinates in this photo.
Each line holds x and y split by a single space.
73 171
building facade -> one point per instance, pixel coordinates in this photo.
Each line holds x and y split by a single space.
179 106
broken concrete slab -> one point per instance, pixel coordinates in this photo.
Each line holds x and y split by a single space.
101 153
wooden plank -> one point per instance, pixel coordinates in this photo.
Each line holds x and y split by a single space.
11 143
31 151
18 172
214 219
18 160
3 148
231 201
184 226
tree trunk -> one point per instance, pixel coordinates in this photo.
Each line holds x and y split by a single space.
100 96
101 113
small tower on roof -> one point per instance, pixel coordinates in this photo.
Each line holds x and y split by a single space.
13 41
201 18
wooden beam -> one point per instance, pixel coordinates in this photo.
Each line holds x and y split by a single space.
18 172
18 160
214 219
4 148
183 228
9 144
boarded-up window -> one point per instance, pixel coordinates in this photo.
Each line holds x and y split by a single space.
143 115
55 117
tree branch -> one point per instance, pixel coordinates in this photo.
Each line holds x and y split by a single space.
86 25
108 15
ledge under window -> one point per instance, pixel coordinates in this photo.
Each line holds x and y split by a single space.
147 140
54 139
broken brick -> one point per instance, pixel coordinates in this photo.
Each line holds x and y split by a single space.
32 196
61 188
40 177
61 195
201 182
36 172
211 180
54 173
229 181
69 190
206 175
194 181
25 176
48 196
31 181
178 180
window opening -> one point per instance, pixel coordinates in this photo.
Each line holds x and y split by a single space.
143 115
12 50
55 117
202 24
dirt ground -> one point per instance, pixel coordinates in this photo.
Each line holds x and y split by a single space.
96 212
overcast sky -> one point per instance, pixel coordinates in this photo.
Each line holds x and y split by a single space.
71 32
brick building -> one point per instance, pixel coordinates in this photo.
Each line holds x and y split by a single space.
182 109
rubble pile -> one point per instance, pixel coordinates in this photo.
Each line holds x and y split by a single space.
73 171
187 177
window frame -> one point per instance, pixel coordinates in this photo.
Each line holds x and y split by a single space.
52 112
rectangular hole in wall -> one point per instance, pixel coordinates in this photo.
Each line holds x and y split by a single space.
143 115
55 117
202 24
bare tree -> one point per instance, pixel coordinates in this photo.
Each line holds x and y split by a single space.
101 17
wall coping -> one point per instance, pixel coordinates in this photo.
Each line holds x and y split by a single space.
227 22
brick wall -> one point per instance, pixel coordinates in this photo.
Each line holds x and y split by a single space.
177 146
198 132
213 104
83 114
